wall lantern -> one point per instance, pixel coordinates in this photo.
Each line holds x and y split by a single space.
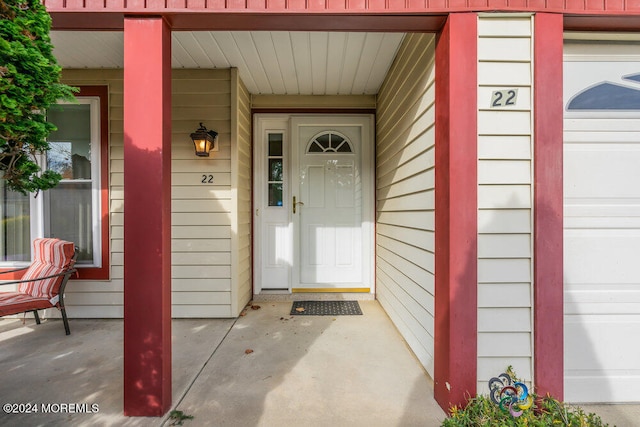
205 141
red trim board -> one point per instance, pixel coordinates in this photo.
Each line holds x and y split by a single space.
548 209
147 217
455 358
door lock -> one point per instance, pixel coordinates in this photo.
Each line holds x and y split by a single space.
296 203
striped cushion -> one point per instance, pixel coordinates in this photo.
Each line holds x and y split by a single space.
50 256
17 302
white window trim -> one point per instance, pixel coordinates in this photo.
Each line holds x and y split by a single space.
38 219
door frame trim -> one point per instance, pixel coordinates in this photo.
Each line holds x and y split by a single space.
339 118
257 194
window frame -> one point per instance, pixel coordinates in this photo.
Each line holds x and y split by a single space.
90 272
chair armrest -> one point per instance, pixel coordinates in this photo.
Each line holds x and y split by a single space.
64 273
13 271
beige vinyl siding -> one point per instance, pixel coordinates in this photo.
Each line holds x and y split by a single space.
405 194
201 265
201 213
241 188
504 198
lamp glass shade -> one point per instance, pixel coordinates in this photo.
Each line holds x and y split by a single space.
203 146
204 141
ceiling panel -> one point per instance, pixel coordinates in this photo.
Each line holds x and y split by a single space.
283 48
211 48
335 60
183 50
265 47
302 61
384 57
367 58
353 48
319 61
249 51
270 63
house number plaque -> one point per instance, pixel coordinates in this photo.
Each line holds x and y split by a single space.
504 98
207 179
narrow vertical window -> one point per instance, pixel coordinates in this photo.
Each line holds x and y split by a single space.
275 178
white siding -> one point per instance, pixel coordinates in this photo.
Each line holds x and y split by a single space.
505 197
201 214
405 194
241 188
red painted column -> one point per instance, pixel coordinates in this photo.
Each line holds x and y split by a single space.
147 216
548 229
455 358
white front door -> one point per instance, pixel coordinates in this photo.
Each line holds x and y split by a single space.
314 210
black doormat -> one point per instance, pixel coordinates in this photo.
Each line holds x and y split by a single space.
326 308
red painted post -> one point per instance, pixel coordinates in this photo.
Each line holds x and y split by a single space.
147 216
456 310
548 215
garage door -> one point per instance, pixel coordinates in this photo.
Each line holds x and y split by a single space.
602 222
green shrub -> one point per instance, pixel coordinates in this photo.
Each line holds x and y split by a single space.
546 411
29 84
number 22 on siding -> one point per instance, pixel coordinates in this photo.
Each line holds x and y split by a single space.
504 98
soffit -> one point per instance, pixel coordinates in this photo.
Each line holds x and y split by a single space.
269 62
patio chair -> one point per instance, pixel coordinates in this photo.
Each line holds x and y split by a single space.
42 285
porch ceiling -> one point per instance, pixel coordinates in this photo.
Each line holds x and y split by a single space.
270 63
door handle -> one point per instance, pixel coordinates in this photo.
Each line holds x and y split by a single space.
296 203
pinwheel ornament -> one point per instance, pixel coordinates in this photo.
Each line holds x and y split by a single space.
509 395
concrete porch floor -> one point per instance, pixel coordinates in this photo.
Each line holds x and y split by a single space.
303 370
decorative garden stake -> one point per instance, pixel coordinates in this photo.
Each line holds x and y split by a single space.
511 396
